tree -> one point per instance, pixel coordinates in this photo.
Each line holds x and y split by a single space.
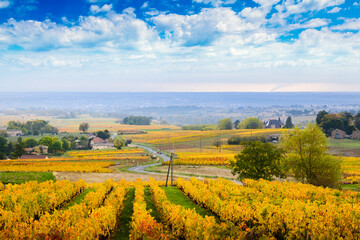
251 123
47 141
30 142
320 115
56 146
225 124
236 124
118 143
65 144
19 149
217 144
288 123
3 147
84 127
258 160
103 134
307 157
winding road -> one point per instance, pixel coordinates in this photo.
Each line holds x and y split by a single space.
141 168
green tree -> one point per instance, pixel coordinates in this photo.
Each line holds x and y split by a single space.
119 143
320 115
56 146
288 123
3 147
258 160
30 142
225 124
47 141
307 156
103 134
251 123
19 149
84 127
236 124
65 144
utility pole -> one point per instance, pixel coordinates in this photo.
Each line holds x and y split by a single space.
170 167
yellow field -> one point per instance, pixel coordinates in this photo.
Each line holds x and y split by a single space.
42 166
72 125
351 170
168 137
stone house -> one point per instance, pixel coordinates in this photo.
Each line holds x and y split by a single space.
14 133
338 134
273 123
99 143
355 135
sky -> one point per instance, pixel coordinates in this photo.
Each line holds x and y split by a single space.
180 45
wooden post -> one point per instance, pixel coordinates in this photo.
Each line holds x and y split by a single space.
167 177
172 168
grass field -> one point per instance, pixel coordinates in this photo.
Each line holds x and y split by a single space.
22 177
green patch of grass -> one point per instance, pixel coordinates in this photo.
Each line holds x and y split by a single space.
123 228
150 205
22 177
79 198
344 143
176 196
351 187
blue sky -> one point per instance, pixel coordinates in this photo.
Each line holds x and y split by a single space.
174 45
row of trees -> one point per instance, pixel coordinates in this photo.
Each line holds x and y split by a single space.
247 123
136 120
344 121
303 152
34 127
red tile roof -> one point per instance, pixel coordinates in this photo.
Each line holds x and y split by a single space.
98 140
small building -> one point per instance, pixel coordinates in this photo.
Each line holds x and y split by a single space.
41 149
99 143
29 150
338 134
355 135
14 133
273 123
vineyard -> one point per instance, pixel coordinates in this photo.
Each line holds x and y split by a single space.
257 210
97 161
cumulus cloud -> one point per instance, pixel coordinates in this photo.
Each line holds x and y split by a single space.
349 24
94 9
4 4
313 23
334 10
216 3
202 28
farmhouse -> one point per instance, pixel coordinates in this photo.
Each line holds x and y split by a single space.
14 133
338 134
355 135
99 143
273 123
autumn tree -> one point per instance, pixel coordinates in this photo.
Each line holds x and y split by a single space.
258 160
251 123
225 124
307 156
84 127
118 143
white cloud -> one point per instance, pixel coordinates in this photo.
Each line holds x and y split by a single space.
216 3
313 23
94 9
145 5
334 10
349 24
4 4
